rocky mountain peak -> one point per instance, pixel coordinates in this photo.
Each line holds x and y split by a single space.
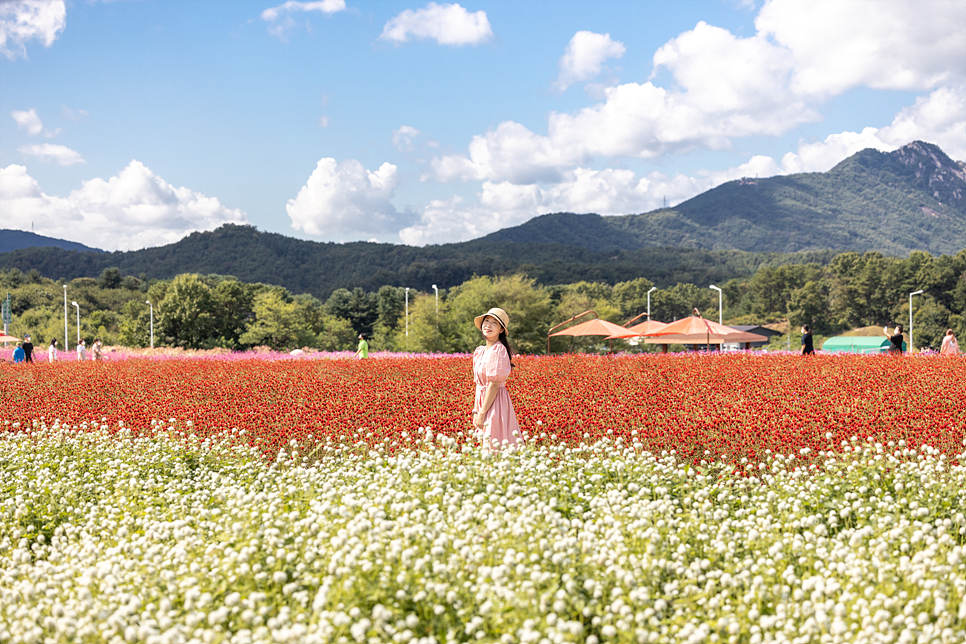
933 170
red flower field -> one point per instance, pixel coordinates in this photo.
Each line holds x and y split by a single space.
735 404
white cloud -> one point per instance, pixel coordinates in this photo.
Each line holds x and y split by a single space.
346 201
28 120
511 152
583 190
724 87
585 57
73 115
323 121
281 16
403 139
938 118
133 209
59 154
25 20
882 44
447 24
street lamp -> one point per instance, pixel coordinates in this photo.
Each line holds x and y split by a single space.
66 344
148 302
77 307
910 317
407 311
653 288
436 290
720 311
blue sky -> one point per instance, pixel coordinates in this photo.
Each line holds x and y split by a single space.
131 123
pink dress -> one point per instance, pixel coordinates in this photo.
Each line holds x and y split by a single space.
492 364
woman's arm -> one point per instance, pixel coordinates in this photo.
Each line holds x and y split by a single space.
491 390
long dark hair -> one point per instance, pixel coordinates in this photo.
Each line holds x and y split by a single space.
506 344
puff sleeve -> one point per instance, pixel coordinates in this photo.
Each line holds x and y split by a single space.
496 364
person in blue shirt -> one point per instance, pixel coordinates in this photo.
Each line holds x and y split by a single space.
18 354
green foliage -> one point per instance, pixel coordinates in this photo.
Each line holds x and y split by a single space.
279 323
195 311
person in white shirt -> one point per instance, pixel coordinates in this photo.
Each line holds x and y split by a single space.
52 351
81 351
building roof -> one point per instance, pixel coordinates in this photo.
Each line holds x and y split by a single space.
755 328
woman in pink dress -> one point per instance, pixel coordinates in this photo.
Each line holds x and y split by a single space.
492 410
950 347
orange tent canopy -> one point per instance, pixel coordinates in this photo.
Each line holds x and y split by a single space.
693 325
694 329
8 338
644 328
592 327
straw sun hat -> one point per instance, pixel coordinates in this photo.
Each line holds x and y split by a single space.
499 314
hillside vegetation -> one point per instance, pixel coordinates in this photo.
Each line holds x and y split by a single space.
893 203
321 268
195 311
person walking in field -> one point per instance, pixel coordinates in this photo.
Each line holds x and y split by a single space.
96 350
950 347
808 347
363 351
18 353
81 351
895 339
52 351
28 349
493 412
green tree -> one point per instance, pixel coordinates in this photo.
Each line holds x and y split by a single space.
279 323
527 305
185 316
110 278
809 305
361 309
630 297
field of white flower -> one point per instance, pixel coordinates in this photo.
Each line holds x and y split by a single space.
109 537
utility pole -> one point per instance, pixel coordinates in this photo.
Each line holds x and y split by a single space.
66 345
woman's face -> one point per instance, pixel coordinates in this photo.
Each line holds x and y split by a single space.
491 329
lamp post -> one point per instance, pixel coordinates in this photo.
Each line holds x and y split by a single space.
148 302
77 308
66 344
436 290
910 317
653 288
720 311
407 311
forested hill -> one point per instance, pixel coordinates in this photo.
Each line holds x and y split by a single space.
15 239
894 203
911 199
320 268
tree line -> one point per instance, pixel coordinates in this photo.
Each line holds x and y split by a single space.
206 311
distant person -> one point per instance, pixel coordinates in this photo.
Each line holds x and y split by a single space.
28 349
493 412
81 351
895 338
808 348
363 350
96 353
18 353
52 351
950 347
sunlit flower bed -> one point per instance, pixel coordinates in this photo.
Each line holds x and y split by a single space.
111 353
110 536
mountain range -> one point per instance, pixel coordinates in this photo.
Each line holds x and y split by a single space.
911 199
